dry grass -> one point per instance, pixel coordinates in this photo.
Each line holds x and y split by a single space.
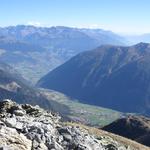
97 133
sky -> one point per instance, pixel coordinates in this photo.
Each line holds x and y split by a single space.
120 16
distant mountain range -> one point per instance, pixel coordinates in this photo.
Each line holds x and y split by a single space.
62 37
34 51
112 75
115 77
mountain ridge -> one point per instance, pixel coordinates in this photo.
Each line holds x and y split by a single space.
41 49
133 127
95 73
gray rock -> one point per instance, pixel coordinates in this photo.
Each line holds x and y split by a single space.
10 122
35 144
26 127
5 148
19 112
67 137
38 138
19 126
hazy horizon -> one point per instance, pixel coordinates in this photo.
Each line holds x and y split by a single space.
108 30
124 17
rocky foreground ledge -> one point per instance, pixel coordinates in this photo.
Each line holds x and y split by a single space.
26 127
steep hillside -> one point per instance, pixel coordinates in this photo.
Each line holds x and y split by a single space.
13 86
133 127
110 76
34 51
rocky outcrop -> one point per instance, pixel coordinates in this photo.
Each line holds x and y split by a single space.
26 127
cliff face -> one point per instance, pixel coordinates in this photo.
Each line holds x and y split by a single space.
24 127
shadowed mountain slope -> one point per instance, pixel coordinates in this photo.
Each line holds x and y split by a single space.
13 86
133 127
110 76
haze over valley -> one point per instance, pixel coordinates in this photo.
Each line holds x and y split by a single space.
74 75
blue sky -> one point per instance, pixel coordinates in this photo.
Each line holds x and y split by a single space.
122 16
